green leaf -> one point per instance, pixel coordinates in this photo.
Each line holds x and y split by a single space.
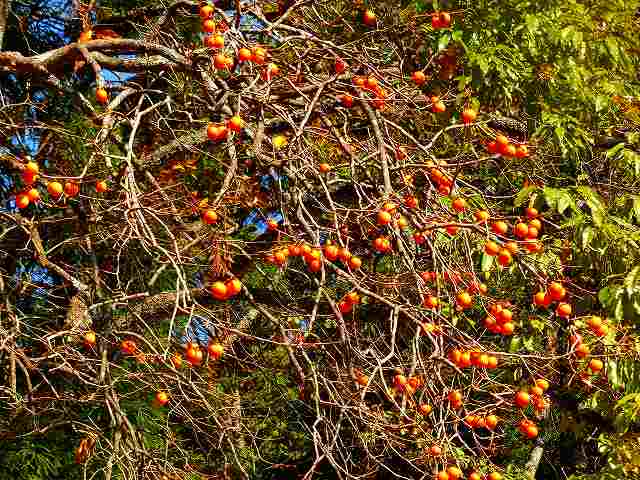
631 280
483 64
486 262
537 324
523 195
614 151
564 201
601 103
532 23
463 80
636 208
586 237
612 46
618 312
603 296
443 41
551 197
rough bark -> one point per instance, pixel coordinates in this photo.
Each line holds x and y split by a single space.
4 14
534 460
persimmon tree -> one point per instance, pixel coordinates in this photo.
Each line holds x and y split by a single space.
319 239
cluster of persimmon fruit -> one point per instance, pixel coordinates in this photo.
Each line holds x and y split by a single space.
534 395
499 320
504 146
31 195
407 385
439 20
194 356
225 290
490 422
598 327
439 176
312 256
464 297
472 358
454 473
554 293
215 40
370 85
527 234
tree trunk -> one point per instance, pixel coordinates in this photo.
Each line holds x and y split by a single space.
534 460
4 14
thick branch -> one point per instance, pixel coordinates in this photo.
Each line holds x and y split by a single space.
4 13
46 63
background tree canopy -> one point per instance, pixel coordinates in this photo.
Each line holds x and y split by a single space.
329 239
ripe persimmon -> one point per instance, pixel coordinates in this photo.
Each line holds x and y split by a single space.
89 339
504 258
206 11
522 151
346 100
521 230
500 227
32 167
595 365
542 383
491 421
162 398
491 248
102 96
209 216
236 123
556 291
501 140
369 18
459 204
418 77
438 107
469 115
101 186
522 399
55 189
582 350
481 216
507 328
384 217
208 25
355 263
511 247
542 299
71 189
464 300
218 290
221 62
454 396
563 310
22 200
244 54
214 41
454 472
215 350
234 287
